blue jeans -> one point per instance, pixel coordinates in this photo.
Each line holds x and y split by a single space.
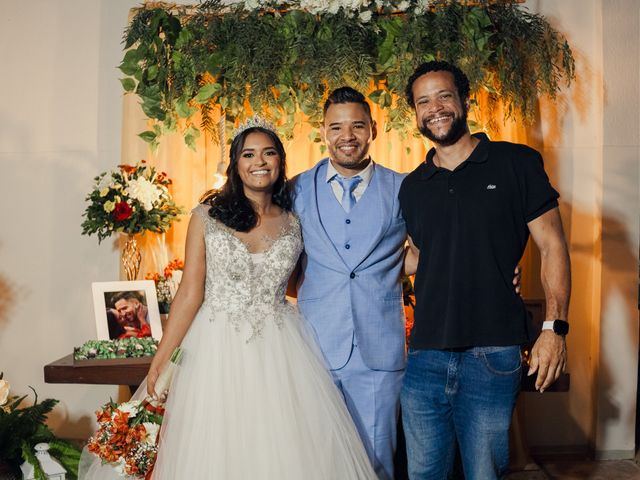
466 396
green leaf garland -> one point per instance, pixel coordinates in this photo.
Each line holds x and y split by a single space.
282 61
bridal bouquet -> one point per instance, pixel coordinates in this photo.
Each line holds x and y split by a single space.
131 199
127 435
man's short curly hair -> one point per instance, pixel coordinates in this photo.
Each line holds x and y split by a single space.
459 79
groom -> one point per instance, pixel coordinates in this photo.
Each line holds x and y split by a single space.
349 285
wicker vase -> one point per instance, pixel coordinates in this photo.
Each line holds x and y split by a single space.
131 257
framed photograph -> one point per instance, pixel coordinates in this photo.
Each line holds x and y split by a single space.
126 309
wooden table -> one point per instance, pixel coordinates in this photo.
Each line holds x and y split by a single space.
131 371
117 371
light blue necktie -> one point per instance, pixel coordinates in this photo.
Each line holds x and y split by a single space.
348 186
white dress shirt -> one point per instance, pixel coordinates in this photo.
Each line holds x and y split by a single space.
365 174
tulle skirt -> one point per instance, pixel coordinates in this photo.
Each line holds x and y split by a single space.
263 409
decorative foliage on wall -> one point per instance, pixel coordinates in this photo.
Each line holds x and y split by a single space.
189 64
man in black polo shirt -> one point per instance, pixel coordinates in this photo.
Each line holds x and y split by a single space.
469 209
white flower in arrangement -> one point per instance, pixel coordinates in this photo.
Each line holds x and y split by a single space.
421 8
319 6
4 391
332 8
357 4
106 181
365 16
252 4
144 191
403 6
152 432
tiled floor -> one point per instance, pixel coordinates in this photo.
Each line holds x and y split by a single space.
580 469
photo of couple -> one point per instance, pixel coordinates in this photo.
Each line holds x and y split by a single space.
127 314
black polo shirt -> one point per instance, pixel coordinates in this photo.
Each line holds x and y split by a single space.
470 225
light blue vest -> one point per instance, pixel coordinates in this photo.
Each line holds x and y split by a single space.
349 232
353 295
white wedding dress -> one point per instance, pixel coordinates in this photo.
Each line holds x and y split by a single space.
252 398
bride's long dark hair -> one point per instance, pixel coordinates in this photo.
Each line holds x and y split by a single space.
230 205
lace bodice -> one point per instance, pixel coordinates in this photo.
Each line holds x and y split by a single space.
248 290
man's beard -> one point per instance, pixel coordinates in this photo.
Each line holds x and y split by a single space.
457 130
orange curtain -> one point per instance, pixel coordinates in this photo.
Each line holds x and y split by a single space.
193 172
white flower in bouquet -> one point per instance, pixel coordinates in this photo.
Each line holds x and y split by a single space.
144 191
152 432
131 407
119 466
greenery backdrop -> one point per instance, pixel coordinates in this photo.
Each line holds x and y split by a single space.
190 64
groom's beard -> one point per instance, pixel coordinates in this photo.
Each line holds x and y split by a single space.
457 130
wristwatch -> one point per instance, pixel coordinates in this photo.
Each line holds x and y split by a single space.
559 327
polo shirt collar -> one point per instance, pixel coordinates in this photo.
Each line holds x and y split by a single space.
479 155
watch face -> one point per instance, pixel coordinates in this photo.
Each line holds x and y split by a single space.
561 327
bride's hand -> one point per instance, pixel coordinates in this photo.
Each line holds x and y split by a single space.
152 378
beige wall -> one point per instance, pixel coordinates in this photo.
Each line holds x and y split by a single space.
590 141
61 124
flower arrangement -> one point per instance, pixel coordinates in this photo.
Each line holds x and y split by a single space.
127 435
190 63
131 199
22 428
130 347
167 283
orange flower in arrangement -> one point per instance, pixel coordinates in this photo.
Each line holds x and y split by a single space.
167 283
153 276
128 168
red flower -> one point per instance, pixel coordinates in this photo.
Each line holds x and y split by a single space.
122 211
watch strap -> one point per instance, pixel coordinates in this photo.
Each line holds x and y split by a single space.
559 327
547 325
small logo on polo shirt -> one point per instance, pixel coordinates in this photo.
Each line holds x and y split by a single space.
491 186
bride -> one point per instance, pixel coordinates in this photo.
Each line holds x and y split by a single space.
252 398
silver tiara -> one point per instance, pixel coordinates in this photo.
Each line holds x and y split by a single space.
252 122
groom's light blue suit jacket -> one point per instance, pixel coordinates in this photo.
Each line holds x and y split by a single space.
353 301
